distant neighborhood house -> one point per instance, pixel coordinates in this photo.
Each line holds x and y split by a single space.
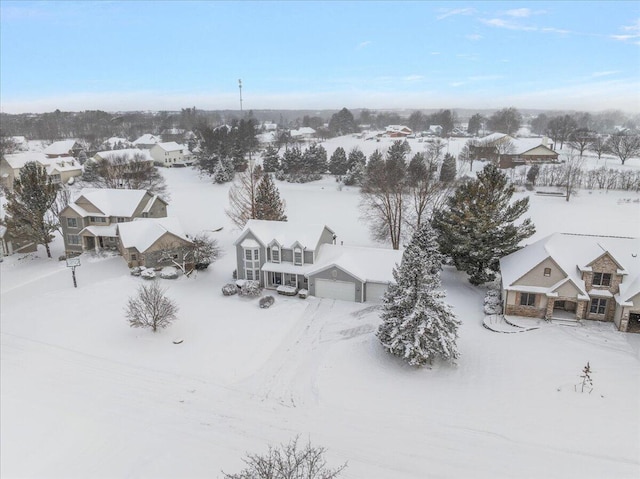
576 277
508 152
146 141
305 256
60 168
398 131
171 154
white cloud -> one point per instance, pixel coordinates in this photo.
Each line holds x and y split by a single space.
604 73
363 45
413 77
435 53
500 23
455 11
474 37
519 12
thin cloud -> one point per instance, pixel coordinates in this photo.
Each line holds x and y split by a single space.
474 37
435 53
413 78
634 33
362 45
455 11
500 23
519 12
605 73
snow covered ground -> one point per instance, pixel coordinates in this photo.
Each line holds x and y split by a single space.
83 395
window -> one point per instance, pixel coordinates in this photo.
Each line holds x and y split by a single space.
252 263
275 254
547 271
72 222
97 219
73 240
145 215
297 256
121 219
527 299
134 257
598 306
601 279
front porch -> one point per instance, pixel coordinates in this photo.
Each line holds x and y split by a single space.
565 309
274 279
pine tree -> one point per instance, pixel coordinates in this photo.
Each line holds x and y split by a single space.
270 160
417 324
356 157
292 161
315 159
269 205
338 162
477 226
29 204
375 158
448 170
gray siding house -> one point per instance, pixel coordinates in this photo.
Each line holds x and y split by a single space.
306 256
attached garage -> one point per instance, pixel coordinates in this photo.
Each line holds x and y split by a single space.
375 291
343 290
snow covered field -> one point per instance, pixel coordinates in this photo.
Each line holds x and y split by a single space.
83 395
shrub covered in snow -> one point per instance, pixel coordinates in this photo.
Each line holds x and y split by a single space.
148 273
229 289
136 271
169 272
492 302
250 288
267 301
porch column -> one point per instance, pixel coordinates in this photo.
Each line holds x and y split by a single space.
550 304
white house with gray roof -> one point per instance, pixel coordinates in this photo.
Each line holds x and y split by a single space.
572 276
306 257
171 154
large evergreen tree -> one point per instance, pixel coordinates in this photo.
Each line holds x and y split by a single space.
29 204
338 162
315 159
270 160
477 226
342 123
417 324
269 205
448 170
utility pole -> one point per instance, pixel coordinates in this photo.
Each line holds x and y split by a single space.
240 87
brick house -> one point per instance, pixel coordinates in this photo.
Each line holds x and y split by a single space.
576 277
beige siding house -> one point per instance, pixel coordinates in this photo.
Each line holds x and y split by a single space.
60 169
575 277
90 222
154 242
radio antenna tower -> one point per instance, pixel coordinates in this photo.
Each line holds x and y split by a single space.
240 87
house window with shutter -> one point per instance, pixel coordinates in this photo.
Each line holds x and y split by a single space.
297 256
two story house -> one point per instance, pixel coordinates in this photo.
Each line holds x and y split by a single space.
571 276
89 223
306 256
171 154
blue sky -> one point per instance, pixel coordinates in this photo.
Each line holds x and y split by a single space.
168 55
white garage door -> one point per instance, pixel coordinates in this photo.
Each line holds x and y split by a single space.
335 289
375 291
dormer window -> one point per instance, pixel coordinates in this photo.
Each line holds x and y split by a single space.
547 271
601 279
297 256
275 254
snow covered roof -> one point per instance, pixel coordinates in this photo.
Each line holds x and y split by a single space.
522 145
18 160
141 233
106 230
60 147
147 139
305 130
114 140
285 233
495 137
61 166
367 264
112 202
171 146
127 153
574 253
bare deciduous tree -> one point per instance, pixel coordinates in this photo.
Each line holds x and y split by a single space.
572 174
150 308
288 462
242 196
580 140
122 171
624 146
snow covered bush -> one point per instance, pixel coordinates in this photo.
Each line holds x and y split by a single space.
148 273
137 271
492 302
169 272
250 288
267 301
229 289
